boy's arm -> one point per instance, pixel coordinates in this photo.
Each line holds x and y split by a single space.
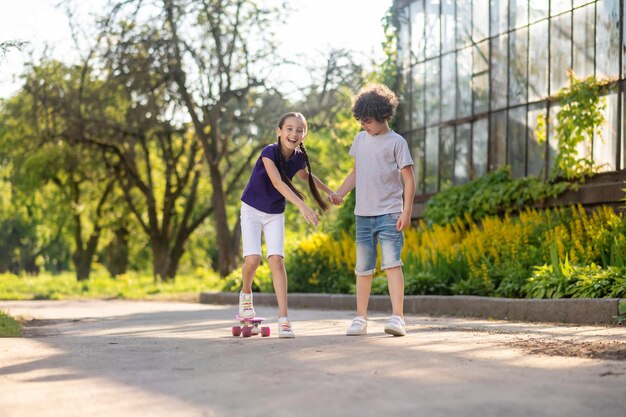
408 179
272 171
348 184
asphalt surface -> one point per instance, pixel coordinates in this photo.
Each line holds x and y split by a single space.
124 358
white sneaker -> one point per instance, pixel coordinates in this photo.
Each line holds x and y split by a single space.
358 327
246 309
284 328
395 326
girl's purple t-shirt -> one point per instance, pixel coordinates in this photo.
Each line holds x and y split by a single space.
260 193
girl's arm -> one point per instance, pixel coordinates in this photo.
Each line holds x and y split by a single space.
409 192
303 174
272 171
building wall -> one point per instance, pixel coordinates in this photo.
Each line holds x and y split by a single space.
476 74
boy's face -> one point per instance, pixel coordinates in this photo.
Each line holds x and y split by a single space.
374 127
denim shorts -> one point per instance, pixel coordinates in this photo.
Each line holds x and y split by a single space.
373 229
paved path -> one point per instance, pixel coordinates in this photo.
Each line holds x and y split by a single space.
123 359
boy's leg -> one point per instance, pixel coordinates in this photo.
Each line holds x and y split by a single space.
395 282
363 289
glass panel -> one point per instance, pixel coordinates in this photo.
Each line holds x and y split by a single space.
481 57
583 41
516 152
433 28
418 40
404 108
480 79
518 69
497 144
417 151
447 26
404 41
463 23
480 19
432 91
447 157
536 150
552 142
518 13
464 80
605 147
560 6
480 87
499 17
560 51
581 2
538 9
499 47
607 38
538 62
448 94
461 154
417 114
432 160
479 148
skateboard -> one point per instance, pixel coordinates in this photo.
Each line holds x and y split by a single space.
250 327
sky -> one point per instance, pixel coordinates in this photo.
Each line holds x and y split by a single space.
312 28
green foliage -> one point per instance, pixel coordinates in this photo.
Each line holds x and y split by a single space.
572 281
9 327
100 285
387 71
578 120
262 280
494 193
315 266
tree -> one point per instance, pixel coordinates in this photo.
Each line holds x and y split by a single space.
217 63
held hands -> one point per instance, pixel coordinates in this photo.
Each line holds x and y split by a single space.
335 199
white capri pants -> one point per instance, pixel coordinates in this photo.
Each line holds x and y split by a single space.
253 222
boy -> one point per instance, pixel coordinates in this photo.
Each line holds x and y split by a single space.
381 158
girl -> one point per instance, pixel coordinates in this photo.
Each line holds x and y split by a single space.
263 207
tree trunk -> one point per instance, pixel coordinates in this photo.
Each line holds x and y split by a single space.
117 253
226 255
161 259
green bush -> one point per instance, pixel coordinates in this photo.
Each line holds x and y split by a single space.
494 193
9 327
319 263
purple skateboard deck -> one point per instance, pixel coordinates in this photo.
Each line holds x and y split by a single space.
256 319
250 327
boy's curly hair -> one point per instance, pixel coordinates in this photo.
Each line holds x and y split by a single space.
376 102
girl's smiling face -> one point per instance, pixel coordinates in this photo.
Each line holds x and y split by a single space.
292 133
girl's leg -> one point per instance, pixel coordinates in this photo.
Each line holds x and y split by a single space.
363 289
279 278
395 281
274 229
250 265
251 228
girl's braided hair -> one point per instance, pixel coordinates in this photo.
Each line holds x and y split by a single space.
282 168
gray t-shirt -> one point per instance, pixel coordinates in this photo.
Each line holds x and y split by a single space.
378 161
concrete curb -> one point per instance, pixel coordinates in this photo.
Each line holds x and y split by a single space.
576 311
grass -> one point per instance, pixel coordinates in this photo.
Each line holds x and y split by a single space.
9 327
132 286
